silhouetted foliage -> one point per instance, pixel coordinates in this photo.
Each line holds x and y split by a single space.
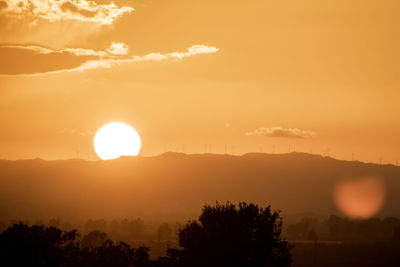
93 239
230 235
21 245
116 254
226 235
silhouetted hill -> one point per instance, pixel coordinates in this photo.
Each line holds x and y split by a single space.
175 184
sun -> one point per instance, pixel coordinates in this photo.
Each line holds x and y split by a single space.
116 139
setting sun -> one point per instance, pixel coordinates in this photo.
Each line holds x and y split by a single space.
116 139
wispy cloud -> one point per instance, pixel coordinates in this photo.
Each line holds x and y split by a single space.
191 51
108 63
111 62
54 10
115 55
46 51
282 132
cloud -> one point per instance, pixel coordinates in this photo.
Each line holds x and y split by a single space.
282 132
57 23
191 51
108 63
44 60
118 49
55 10
45 51
83 52
18 59
34 48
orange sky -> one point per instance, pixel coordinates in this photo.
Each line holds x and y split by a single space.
315 75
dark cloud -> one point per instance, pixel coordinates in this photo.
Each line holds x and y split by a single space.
26 61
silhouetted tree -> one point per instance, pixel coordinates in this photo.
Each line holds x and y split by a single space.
230 235
54 222
116 254
93 239
22 245
226 235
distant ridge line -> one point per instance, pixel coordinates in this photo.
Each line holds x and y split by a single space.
282 156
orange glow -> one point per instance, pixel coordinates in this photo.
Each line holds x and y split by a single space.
192 73
359 198
116 139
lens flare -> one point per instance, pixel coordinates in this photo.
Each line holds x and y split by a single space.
359 198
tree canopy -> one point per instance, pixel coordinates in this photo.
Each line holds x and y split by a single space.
230 235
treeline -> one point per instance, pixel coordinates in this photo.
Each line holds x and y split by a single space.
224 235
123 230
336 228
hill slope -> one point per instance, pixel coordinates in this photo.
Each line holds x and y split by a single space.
176 184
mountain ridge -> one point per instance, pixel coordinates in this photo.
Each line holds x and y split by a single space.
178 183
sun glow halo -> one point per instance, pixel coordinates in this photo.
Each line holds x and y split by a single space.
116 139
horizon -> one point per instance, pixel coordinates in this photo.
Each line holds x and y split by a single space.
383 163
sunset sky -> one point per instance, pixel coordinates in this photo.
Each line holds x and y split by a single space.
318 76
